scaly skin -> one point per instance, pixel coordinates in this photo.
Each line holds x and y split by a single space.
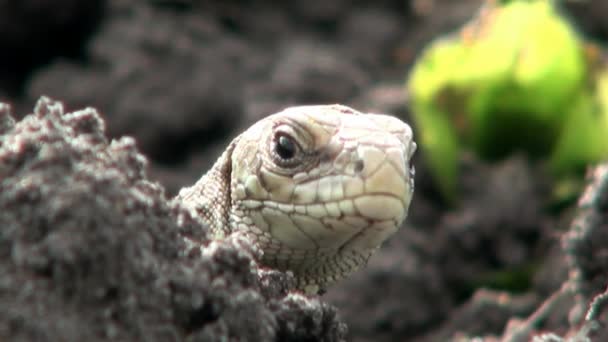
316 188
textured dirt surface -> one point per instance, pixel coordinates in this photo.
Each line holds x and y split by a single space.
101 256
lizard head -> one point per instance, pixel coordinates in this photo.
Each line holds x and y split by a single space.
321 187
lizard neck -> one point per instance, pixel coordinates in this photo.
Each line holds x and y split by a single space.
210 197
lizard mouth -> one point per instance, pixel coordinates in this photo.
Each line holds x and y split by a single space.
368 218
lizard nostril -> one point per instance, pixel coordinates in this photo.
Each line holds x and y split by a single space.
359 165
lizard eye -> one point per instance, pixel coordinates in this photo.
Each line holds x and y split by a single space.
285 149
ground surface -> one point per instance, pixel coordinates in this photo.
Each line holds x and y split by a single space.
182 79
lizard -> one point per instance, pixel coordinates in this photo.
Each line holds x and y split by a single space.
317 189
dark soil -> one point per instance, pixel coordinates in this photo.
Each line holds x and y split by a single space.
90 249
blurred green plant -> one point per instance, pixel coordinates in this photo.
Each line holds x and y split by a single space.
517 78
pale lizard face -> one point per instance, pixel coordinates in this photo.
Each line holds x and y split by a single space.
319 188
